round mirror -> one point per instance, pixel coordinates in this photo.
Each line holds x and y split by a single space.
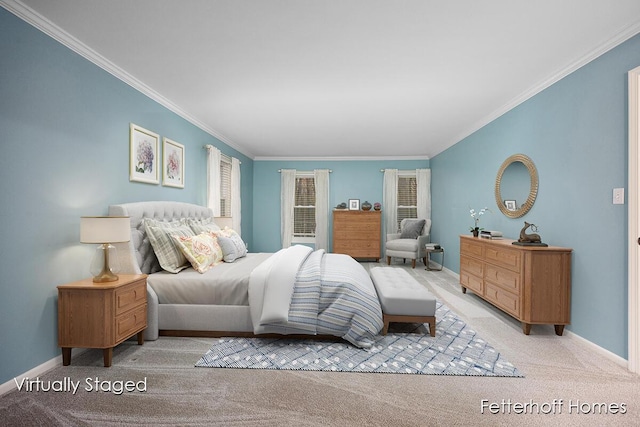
516 186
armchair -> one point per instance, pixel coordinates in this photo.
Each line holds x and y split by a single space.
410 241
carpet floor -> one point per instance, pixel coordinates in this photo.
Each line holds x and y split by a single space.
566 383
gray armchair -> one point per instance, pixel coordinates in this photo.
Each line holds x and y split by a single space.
410 241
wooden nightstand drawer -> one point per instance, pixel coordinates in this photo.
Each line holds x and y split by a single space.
129 323
130 296
472 282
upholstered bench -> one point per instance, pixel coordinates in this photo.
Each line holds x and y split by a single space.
403 299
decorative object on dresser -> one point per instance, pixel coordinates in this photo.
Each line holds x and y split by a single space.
366 206
101 315
354 204
105 230
357 233
475 229
377 206
530 283
529 239
410 241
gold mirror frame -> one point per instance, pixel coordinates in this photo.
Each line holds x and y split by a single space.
533 189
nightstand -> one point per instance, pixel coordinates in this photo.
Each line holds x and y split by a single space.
101 315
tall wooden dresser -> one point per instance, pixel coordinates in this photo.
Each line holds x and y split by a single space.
531 283
357 233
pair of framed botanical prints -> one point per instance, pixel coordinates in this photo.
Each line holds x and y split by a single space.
144 155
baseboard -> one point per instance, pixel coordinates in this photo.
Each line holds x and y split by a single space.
596 348
37 371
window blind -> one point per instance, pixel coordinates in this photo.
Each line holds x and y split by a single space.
407 198
225 186
304 210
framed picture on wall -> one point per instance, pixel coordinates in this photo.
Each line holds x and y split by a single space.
511 205
354 204
143 155
172 163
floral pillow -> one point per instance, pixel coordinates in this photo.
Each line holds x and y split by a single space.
202 251
233 247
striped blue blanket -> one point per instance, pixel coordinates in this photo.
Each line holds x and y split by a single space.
300 291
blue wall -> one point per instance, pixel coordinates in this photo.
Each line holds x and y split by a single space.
576 134
64 130
354 179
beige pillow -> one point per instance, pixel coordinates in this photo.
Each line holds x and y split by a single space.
202 251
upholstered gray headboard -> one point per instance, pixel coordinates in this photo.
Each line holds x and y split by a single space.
137 256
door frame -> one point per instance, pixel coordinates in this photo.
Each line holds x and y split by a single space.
633 213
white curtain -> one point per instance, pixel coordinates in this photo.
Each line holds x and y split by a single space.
321 180
423 184
287 201
213 179
236 203
390 201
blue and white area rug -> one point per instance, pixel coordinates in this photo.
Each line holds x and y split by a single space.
455 350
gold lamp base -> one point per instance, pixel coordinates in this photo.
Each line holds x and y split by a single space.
105 276
101 268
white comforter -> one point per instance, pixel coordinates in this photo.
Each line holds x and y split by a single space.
300 291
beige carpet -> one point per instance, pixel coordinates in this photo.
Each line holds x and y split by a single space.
555 368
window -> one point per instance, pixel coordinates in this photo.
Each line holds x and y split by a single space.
304 209
225 186
407 197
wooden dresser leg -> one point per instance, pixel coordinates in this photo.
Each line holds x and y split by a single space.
559 329
140 337
388 260
66 356
526 328
107 355
464 290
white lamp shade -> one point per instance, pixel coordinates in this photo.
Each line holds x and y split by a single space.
105 229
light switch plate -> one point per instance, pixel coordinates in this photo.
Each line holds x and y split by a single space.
618 196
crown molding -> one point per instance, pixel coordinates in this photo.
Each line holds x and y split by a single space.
622 36
337 159
38 21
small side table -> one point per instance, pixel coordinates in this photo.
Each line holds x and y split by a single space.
101 315
430 251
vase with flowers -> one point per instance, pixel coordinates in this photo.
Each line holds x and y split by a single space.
475 230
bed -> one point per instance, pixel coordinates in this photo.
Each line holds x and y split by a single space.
292 291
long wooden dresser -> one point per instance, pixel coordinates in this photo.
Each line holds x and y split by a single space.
531 283
357 233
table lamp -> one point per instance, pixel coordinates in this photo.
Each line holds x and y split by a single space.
105 230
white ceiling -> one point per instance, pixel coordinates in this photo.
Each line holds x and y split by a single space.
337 78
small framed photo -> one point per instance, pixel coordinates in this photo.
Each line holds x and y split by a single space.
510 205
172 163
143 155
354 204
